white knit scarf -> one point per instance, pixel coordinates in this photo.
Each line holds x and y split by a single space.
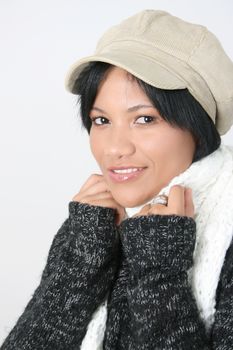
211 180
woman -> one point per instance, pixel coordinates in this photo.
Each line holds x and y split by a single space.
145 259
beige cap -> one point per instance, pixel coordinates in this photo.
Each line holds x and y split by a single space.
169 53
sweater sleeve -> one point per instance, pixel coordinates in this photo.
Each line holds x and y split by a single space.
159 251
80 269
222 331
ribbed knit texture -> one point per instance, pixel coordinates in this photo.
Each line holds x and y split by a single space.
142 265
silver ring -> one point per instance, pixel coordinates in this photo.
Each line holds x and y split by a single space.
161 199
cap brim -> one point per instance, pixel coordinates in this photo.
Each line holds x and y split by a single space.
143 67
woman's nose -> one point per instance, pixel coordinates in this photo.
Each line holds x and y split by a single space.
120 143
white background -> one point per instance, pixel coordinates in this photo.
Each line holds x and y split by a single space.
44 154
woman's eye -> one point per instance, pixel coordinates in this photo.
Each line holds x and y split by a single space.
145 119
99 120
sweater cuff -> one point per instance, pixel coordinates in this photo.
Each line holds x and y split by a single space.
162 243
94 232
84 214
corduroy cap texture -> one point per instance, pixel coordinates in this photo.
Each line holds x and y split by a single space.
169 53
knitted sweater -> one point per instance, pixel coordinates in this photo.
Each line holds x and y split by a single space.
142 265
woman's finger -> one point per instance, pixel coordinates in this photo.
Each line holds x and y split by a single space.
94 178
189 205
103 199
158 209
96 196
94 188
143 211
176 200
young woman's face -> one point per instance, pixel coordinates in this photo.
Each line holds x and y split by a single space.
137 150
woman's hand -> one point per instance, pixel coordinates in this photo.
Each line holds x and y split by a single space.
95 192
180 203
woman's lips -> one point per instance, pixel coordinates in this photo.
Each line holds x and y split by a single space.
125 174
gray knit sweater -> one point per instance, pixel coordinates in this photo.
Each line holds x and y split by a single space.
142 265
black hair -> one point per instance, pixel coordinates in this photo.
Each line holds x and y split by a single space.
178 107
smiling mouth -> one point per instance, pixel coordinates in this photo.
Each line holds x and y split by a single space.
125 174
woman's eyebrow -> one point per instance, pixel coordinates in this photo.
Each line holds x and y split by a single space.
135 108
130 109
